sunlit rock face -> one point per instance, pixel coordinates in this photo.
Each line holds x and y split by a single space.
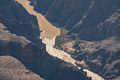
94 31
19 38
12 69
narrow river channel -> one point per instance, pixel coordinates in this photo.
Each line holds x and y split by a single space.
48 35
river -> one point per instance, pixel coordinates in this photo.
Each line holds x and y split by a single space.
48 35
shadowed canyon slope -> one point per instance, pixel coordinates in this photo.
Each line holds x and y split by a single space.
19 38
47 29
49 40
90 34
93 32
81 16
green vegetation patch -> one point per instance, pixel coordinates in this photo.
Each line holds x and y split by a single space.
61 38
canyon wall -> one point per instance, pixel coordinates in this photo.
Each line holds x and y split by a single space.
19 38
93 32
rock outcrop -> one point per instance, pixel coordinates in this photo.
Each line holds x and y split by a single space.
12 69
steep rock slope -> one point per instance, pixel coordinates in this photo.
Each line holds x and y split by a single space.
18 20
50 32
81 16
12 69
36 59
93 32
19 38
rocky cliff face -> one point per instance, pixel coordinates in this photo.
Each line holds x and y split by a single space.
93 32
12 69
19 38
